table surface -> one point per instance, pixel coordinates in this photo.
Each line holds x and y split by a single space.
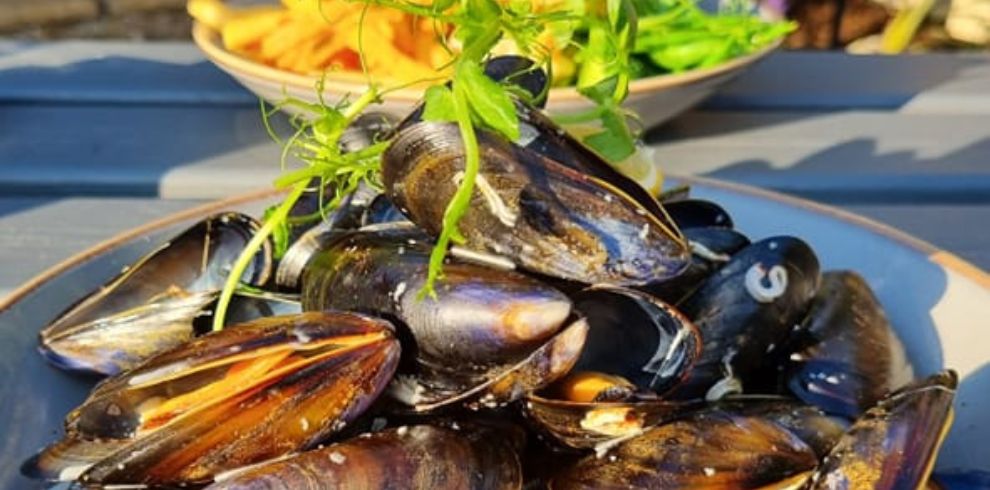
98 137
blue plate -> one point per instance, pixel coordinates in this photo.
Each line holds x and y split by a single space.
936 301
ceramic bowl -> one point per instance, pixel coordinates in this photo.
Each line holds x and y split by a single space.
656 99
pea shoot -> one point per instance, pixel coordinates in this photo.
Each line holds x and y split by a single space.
469 99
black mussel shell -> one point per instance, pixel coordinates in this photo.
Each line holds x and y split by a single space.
414 457
488 332
711 248
542 135
894 444
381 211
846 356
698 213
246 306
150 306
542 215
817 429
746 310
228 399
711 449
636 336
521 72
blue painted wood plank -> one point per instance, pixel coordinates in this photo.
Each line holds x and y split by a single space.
177 73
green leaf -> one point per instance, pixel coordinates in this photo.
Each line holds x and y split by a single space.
280 234
597 59
602 92
490 102
439 105
614 143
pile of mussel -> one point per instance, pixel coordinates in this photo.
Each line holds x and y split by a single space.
584 335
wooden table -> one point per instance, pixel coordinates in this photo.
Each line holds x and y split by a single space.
97 137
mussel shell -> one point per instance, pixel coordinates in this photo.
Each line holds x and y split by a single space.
707 450
380 211
418 457
747 309
236 397
149 307
711 248
637 337
430 387
846 356
544 216
479 316
521 72
306 239
490 334
894 444
246 306
369 128
817 429
542 135
698 213
586 425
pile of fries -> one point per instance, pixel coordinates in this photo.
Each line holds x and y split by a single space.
318 36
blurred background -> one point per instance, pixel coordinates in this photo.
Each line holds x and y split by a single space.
858 26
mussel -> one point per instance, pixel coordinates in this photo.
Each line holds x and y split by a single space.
225 400
636 336
711 248
711 449
588 410
894 444
150 306
817 429
745 311
543 215
420 457
698 213
845 357
483 335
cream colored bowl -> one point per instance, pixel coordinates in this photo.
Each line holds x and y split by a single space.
656 99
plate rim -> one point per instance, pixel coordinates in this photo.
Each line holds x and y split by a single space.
935 254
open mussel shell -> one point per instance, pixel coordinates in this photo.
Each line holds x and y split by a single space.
711 449
486 327
248 305
589 425
232 398
745 311
420 457
542 215
149 307
636 336
846 356
711 248
894 444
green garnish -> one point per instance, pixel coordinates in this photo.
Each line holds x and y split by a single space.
609 58
317 143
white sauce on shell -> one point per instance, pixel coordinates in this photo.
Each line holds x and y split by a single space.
763 285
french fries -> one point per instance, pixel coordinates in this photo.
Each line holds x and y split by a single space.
315 36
